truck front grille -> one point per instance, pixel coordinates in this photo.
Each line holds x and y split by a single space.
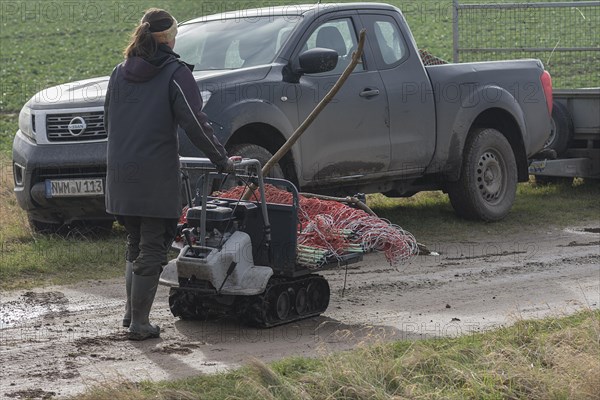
68 172
75 127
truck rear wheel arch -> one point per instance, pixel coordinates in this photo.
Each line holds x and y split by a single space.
271 139
504 122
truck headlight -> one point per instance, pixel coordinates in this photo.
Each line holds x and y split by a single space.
26 122
205 96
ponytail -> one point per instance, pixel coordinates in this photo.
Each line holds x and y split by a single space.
141 43
157 26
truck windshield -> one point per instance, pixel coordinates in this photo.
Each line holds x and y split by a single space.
233 43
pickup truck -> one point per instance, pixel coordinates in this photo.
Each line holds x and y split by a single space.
396 127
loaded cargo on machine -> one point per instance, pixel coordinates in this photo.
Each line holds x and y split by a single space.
258 260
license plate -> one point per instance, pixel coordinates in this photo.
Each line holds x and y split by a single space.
74 187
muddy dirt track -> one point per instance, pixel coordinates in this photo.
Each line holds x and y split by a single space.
57 341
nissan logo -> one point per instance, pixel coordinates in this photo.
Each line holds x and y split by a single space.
77 126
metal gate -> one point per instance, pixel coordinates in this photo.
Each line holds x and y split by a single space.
564 35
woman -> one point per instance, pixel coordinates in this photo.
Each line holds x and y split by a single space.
149 94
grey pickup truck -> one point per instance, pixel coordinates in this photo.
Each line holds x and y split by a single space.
396 127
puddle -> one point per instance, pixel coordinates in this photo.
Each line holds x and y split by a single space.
41 305
583 231
31 305
591 230
31 394
45 297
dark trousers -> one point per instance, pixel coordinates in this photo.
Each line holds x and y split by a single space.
148 242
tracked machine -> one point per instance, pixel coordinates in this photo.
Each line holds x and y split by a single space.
240 257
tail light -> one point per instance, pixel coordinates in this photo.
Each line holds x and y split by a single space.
546 80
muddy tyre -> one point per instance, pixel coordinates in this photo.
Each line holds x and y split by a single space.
562 129
488 181
259 153
253 151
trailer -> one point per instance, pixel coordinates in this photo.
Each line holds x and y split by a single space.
573 148
566 40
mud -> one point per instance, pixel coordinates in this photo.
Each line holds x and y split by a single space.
58 341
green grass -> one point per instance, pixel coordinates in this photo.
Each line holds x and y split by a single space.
430 217
547 28
28 259
48 43
554 358
9 123
52 260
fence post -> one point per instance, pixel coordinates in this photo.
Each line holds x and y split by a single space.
455 31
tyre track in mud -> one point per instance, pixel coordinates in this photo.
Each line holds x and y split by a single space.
58 341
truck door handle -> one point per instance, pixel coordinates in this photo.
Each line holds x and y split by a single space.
369 92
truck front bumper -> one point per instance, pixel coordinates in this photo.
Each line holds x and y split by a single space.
34 163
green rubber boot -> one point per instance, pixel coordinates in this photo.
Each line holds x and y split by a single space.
128 277
143 290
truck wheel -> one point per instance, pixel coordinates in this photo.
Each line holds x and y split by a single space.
488 180
259 153
562 129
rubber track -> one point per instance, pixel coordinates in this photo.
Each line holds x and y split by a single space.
260 310
257 310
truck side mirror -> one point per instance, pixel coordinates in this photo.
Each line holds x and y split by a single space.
317 60
310 62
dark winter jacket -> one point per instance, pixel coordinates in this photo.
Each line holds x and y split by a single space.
145 102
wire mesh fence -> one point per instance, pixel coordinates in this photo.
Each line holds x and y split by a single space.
565 36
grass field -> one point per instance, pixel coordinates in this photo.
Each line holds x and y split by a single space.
50 42
28 260
535 360
430 217
73 40
547 33
44 43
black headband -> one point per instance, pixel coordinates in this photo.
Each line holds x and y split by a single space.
160 25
